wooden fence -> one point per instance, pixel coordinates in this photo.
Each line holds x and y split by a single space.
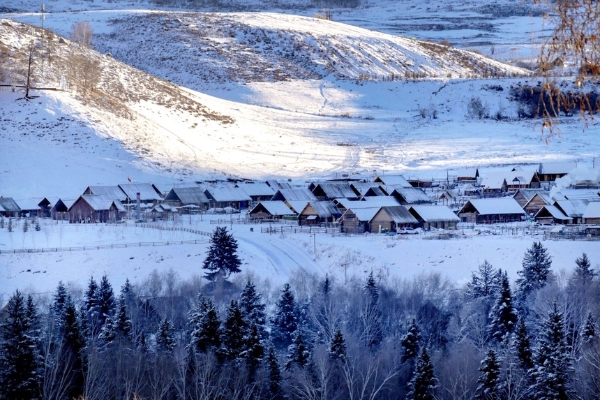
298 229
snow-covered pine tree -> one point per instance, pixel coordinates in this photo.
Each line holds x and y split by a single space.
487 384
337 349
410 342
584 273
252 307
423 383
123 323
503 314
536 270
20 361
372 334
298 353
234 332
206 326
255 351
274 371
107 333
59 303
286 320
105 299
523 346
221 259
165 336
73 346
552 371
484 282
25 225
589 328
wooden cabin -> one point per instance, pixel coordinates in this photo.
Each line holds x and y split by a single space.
60 209
549 172
592 214
411 196
318 212
489 211
392 180
550 214
270 210
258 191
187 196
356 221
536 203
227 196
390 219
573 208
333 190
9 207
149 193
95 208
434 217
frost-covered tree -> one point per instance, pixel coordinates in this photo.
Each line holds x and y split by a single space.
410 342
286 321
523 346
123 323
487 384
252 307
536 270
503 314
275 379
20 360
484 282
372 334
234 331
590 329
423 383
552 370
105 299
298 353
165 336
255 350
584 273
206 326
221 259
337 349
59 303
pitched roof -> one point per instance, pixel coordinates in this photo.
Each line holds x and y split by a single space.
295 194
99 202
297 205
412 195
368 202
363 187
147 191
8 204
226 193
274 208
113 192
572 208
544 196
363 214
257 189
528 193
324 209
393 180
592 210
466 173
502 205
335 189
399 214
578 194
554 212
557 167
494 179
28 204
188 195
276 185
434 213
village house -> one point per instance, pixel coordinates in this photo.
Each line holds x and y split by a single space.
411 196
96 208
536 202
187 196
434 217
522 196
489 211
318 212
392 181
592 213
270 210
572 208
549 172
449 197
227 196
356 220
258 191
332 190
367 202
467 175
550 214
276 185
420 182
367 189
577 194
111 192
149 193
60 209
390 219
29 207
499 182
9 207
296 194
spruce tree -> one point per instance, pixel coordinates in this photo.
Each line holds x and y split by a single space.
252 307
234 330
165 336
105 299
523 346
255 351
410 342
206 326
589 328
221 259
423 383
372 334
503 314
107 332
123 324
73 344
552 370
59 303
487 384
286 320
274 387
536 270
298 353
584 273
484 283
337 350
20 361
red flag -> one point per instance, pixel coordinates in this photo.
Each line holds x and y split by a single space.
129 179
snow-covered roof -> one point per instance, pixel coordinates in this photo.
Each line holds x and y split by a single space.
592 210
297 205
557 167
335 189
28 204
503 205
393 180
8 204
188 195
294 195
412 195
99 202
274 208
368 202
578 194
226 193
572 208
466 173
363 187
113 192
494 179
399 214
528 193
363 214
276 185
324 209
543 195
147 191
434 213
257 189
554 212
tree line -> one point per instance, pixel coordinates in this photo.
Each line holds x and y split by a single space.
312 338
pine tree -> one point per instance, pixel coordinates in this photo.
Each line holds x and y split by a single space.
107 332
523 346
423 383
105 299
536 269
59 303
37 226
410 342
487 384
234 329
123 324
165 336
275 379
20 361
589 329
255 351
298 353
252 307
503 314
206 326
372 334
286 319
222 259
484 283
73 344
552 370
584 273
326 287
337 350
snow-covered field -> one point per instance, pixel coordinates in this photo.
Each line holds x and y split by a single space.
276 257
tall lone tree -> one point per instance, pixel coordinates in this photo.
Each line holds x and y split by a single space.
222 259
536 270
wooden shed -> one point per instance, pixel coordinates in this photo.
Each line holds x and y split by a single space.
392 180
392 218
227 196
549 172
149 193
258 191
333 190
60 209
9 207
536 203
489 211
573 208
411 196
112 192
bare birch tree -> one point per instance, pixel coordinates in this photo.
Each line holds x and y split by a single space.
81 33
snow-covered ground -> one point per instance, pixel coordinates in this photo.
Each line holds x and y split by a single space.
273 257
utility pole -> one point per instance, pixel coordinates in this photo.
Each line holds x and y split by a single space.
315 243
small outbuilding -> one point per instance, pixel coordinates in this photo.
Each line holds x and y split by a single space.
356 220
9 207
186 196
